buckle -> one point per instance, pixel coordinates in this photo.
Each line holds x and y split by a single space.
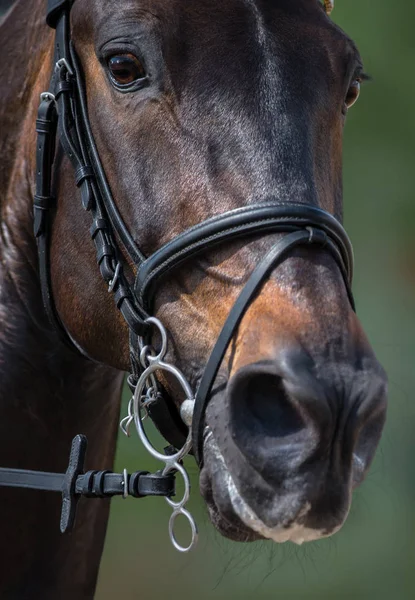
48 96
62 62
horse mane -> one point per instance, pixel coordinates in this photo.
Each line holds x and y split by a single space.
25 44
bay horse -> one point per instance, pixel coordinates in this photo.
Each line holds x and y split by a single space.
196 109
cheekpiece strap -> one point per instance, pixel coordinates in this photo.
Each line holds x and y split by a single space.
55 9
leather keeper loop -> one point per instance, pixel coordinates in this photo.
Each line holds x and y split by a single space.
105 250
156 484
45 126
106 269
43 202
317 236
99 481
98 225
134 482
134 321
83 172
87 483
62 87
120 293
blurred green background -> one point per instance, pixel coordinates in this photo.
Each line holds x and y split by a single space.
373 556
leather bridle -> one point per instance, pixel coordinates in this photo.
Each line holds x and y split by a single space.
63 116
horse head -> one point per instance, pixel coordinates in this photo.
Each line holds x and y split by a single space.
197 109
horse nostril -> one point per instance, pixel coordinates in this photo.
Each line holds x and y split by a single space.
269 427
262 406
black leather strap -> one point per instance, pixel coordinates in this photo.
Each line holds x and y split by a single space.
55 9
167 419
94 484
67 92
36 480
249 291
44 202
108 200
248 220
103 484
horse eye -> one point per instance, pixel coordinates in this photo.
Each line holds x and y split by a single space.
353 93
125 69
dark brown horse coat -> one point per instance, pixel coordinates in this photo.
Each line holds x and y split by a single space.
47 393
246 101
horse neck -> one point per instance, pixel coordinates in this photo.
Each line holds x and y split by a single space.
48 393
25 46
28 347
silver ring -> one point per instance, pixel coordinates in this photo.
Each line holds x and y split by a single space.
137 410
193 527
158 357
177 505
125 483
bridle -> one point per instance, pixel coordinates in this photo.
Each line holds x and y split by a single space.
63 116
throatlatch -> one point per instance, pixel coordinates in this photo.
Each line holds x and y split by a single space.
63 117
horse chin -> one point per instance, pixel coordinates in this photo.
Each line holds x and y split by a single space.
231 514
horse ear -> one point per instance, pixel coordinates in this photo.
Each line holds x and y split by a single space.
328 5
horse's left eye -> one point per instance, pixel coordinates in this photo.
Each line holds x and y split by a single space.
125 69
353 93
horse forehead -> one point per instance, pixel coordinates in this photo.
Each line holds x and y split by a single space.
254 17
212 33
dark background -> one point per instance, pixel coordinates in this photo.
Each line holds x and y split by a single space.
373 556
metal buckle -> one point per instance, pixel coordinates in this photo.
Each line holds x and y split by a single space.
115 278
62 62
47 96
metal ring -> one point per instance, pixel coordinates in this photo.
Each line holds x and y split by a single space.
178 467
158 357
193 527
145 352
125 484
125 425
115 277
137 409
126 421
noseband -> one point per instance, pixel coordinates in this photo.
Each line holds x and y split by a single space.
63 116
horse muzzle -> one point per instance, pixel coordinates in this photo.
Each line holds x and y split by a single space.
285 445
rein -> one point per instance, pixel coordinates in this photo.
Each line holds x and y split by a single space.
63 117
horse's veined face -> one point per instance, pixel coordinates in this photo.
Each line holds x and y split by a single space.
199 107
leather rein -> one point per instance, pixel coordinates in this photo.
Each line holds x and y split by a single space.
63 117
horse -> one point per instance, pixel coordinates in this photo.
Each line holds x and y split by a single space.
198 111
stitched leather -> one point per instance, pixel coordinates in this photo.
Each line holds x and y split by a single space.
240 222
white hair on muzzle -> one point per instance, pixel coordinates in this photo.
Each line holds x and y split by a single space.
328 5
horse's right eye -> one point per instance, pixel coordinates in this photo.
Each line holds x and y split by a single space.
125 69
